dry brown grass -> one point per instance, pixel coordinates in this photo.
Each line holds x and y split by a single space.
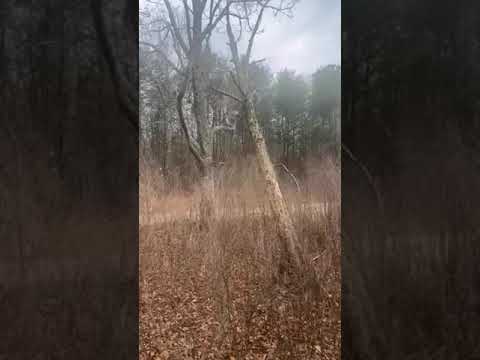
220 291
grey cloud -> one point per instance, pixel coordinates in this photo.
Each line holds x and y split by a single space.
303 43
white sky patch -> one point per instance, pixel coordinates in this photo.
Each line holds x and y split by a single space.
304 43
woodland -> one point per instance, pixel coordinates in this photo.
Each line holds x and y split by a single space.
239 189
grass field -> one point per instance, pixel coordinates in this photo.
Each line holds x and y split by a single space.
219 290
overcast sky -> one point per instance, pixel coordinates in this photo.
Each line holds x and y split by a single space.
303 43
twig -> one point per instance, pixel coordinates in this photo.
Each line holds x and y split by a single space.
258 61
290 174
156 49
231 96
223 127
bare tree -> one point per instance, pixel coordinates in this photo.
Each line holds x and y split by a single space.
245 13
190 26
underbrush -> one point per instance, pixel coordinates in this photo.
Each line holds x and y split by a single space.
221 288
230 295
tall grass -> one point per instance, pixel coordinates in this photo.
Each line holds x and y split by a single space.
238 259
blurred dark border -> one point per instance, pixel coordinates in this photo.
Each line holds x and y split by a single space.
68 179
410 179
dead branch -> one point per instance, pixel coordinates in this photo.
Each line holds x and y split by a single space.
222 128
188 11
255 31
290 174
157 49
213 21
232 43
258 61
224 93
175 28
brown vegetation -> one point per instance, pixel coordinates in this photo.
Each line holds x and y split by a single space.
222 290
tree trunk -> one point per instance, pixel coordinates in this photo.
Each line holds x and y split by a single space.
204 131
207 201
286 230
200 147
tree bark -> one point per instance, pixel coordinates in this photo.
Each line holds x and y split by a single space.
286 230
207 202
201 150
200 114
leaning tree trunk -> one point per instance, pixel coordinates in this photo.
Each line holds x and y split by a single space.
286 230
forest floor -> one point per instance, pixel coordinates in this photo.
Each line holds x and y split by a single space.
209 293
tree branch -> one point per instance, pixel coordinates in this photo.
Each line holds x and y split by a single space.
291 175
237 84
258 61
187 17
175 28
164 56
255 31
231 96
212 22
222 128
232 43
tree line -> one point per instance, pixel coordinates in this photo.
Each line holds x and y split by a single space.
298 114
213 98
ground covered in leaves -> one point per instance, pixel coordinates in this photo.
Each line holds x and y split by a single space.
190 309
